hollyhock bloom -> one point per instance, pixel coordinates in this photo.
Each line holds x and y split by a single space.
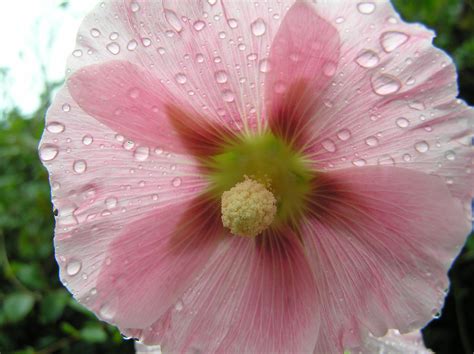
266 176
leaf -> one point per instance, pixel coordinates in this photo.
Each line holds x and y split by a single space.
53 306
17 306
93 333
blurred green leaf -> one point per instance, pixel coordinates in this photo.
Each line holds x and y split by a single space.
52 306
17 306
93 332
30 275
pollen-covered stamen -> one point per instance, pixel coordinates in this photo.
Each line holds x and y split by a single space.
248 208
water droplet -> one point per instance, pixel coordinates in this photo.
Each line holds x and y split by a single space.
134 6
114 36
73 267
258 27
264 66
392 40
158 151
366 7
141 153
66 107
252 57
221 77
402 122
410 81
199 25
161 50
344 134
179 305
422 146
111 202
232 22
181 78
386 160
108 310
406 157
368 59
340 20
176 182
95 32
329 68
146 42
48 152
55 127
128 145
113 48
280 87
77 53
450 155
173 20
359 162
79 166
199 58
385 84
328 145
228 96
132 45
372 141
417 105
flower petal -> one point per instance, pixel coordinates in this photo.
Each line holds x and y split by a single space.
303 58
209 55
392 99
395 343
381 240
252 297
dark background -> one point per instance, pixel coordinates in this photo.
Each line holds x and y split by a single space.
37 314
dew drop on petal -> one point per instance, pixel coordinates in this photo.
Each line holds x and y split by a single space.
77 53
55 127
368 59
141 153
73 267
280 87
161 50
111 202
329 68
386 160
392 40
108 310
79 166
385 84
366 8
132 45
66 107
48 152
221 77
228 96
402 122
146 42
173 20
199 25
95 32
232 22
264 66
406 157
114 36
134 6
450 155
344 134
176 182
417 105
328 145
359 162
113 48
258 27
372 141
422 146
181 78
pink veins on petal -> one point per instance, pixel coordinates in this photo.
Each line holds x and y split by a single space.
345 113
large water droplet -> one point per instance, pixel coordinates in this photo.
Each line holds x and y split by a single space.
113 48
48 152
141 153
173 20
328 145
422 146
232 22
181 78
221 76
344 134
368 59
73 267
176 182
392 40
264 66
111 202
372 141
450 155
258 27
199 25
385 84
132 45
402 122
55 127
366 7
79 166
66 107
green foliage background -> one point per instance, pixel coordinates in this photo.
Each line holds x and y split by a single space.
37 314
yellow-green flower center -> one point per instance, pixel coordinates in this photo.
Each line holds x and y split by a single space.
276 181
248 208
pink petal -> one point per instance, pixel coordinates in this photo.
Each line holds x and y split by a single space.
392 99
209 55
252 297
395 343
303 58
101 184
381 240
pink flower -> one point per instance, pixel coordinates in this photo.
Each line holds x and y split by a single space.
258 176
